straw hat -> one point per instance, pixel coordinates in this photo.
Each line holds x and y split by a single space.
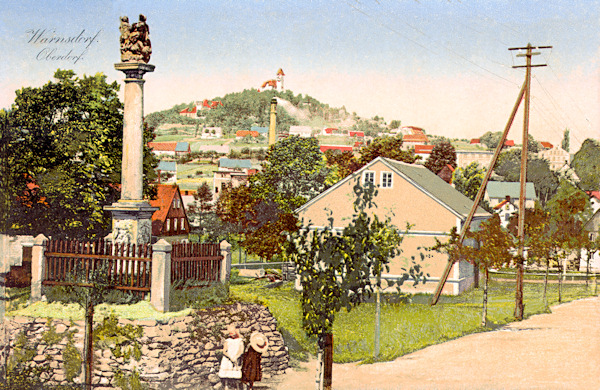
259 342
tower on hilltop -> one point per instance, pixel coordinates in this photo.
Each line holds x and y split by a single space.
280 75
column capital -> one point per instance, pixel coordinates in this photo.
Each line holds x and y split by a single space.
134 70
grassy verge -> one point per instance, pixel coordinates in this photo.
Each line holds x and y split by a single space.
405 327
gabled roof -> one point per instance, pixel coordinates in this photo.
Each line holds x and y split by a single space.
423 179
546 145
182 147
502 189
170 166
593 194
162 146
165 193
234 163
415 138
509 142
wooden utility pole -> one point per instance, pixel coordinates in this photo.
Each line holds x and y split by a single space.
519 306
525 88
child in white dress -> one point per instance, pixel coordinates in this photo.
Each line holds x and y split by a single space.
233 348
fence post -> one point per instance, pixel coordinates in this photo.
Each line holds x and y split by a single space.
37 267
226 262
161 275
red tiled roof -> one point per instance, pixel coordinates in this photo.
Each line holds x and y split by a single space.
423 148
357 134
475 141
163 146
280 72
594 194
165 193
547 145
323 148
330 130
415 130
499 205
509 142
415 138
243 133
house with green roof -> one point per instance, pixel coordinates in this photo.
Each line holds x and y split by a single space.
407 193
499 191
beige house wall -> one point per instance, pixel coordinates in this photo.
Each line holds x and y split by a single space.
403 203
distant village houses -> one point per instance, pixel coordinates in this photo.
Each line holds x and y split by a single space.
175 149
234 172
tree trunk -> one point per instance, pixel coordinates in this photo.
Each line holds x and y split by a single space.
377 317
559 276
485 299
89 344
519 306
328 362
546 284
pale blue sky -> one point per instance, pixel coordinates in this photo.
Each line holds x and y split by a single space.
441 65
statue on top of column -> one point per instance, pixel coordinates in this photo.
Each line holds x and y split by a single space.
135 40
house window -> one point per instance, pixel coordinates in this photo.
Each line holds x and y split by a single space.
175 224
386 179
168 227
182 224
368 177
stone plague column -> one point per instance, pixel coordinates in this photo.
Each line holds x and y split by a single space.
132 215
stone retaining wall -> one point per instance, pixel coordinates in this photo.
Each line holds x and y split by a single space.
180 353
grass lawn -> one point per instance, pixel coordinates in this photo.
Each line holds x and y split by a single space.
405 327
335 140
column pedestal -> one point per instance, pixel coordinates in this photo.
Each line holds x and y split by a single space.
131 215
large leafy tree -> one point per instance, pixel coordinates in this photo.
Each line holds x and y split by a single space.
468 180
586 163
442 154
494 251
68 154
342 164
338 270
294 172
390 147
539 173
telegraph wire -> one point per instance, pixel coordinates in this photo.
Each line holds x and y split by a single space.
432 40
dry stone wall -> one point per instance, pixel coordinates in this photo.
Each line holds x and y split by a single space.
179 353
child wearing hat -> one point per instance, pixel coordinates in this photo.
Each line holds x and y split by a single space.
233 347
251 367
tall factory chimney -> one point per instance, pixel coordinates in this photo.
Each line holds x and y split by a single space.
273 122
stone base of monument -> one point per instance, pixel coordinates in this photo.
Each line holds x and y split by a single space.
131 221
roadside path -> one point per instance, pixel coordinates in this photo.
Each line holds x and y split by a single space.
560 350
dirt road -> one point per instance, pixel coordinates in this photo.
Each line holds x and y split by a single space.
548 351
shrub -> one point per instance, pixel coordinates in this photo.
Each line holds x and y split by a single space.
197 295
